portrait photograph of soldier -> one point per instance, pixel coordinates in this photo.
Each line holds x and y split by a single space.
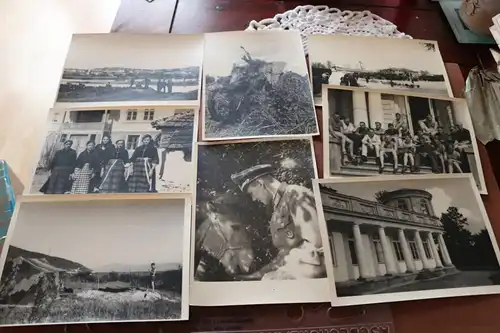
379 132
257 87
255 213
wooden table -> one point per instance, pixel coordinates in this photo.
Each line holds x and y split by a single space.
419 18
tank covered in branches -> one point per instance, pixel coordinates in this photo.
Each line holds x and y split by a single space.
259 97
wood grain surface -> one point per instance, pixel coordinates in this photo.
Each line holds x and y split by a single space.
419 18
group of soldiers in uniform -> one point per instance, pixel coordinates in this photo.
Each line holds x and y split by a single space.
431 145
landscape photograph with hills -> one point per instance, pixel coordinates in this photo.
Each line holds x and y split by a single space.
87 269
110 68
360 61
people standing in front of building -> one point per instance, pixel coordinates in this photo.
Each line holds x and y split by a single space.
389 147
169 84
61 167
337 130
104 151
113 178
87 164
428 125
144 160
400 123
392 133
359 134
453 159
378 129
439 152
370 143
407 149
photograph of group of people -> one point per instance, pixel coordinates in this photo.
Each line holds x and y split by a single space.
371 133
116 151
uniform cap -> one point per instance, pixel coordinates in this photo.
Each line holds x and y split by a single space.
245 177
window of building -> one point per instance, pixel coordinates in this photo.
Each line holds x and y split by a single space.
94 116
352 251
398 250
132 115
427 250
424 209
332 248
149 114
132 141
63 137
414 250
403 204
379 252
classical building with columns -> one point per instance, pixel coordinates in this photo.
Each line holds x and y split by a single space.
384 243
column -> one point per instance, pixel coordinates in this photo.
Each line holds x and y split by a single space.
390 263
360 252
410 265
444 251
421 250
360 110
375 107
434 249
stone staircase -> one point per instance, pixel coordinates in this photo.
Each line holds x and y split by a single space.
370 168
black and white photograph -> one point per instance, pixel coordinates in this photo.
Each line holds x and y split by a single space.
85 262
116 151
372 132
116 70
257 87
394 239
256 236
409 65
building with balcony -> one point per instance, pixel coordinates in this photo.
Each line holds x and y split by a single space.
386 242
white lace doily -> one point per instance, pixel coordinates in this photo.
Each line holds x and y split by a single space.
311 20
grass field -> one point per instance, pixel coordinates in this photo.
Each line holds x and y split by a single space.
95 305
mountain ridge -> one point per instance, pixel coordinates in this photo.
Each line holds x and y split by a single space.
118 267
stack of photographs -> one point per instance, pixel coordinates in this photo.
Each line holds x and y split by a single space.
388 112
256 237
130 206
102 234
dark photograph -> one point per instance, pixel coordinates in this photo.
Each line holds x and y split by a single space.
257 87
255 213
377 63
66 264
374 133
390 237
110 69
116 151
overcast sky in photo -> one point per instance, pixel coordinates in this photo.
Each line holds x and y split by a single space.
375 53
445 193
222 50
96 234
141 51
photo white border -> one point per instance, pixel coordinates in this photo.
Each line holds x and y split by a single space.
186 266
140 104
326 136
27 190
267 136
409 295
218 293
319 102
